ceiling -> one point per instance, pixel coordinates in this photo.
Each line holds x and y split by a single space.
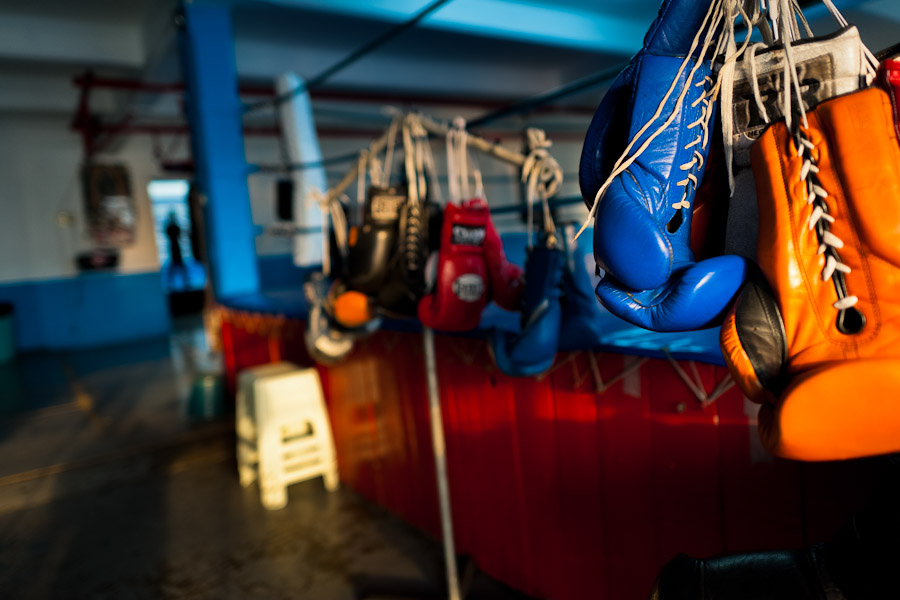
106 10
481 50
597 26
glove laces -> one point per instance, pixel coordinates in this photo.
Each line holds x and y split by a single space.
542 177
850 320
419 162
714 17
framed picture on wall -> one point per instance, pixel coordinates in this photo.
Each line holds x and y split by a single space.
109 205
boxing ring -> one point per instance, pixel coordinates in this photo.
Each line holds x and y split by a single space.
567 485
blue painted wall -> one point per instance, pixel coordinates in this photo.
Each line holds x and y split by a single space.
87 310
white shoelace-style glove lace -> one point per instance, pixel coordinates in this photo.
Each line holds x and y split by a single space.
702 139
419 163
850 320
719 13
829 244
716 38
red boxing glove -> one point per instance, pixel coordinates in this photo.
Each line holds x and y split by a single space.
460 289
889 78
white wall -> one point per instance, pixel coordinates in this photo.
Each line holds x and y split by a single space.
40 160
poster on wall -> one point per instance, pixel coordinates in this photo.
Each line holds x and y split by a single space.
109 206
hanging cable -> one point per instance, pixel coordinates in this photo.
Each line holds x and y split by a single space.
313 164
544 98
579 85
553 203
349 59
288 229
888 52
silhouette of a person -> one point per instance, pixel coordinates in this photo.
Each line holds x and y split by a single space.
176 259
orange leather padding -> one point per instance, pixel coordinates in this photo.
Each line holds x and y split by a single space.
859 166
739 363
352 309
843 410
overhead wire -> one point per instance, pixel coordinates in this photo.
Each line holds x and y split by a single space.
554 203
519 107
579 85
313 164
351 58
544 98
888 52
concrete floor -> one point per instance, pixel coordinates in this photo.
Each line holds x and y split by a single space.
108 491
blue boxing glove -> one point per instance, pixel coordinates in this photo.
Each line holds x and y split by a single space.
533 350
695 298
580 326
644 156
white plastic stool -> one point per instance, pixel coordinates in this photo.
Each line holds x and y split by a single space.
283 431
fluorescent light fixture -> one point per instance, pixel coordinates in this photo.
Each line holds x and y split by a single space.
167 188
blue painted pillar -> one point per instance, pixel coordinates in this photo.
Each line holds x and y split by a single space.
217 141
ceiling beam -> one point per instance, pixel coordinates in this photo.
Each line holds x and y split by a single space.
70 42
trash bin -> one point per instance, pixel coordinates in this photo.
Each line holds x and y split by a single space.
206 402
7 334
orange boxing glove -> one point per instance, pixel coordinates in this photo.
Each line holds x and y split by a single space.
816 337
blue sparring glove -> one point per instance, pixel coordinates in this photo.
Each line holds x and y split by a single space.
581 315
533 350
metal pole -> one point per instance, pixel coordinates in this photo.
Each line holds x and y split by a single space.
440 464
